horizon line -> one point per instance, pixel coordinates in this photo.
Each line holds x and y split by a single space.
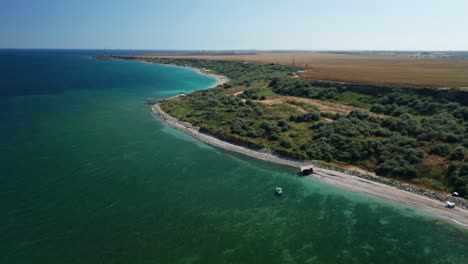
236 50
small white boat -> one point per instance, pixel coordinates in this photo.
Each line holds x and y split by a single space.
455 194
279 191
450 204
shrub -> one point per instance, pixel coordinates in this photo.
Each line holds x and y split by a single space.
287 143
457 154
308 117
396 167
258 111
441 149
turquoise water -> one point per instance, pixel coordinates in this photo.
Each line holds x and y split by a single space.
89 175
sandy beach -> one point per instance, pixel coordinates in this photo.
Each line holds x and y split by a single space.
339 179
221 79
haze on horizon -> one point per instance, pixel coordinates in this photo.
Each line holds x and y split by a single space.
223 25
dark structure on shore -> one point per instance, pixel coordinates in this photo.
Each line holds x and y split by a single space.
307 170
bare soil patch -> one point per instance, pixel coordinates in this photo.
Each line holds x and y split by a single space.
323 106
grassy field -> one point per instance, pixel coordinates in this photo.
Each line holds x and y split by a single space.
402 71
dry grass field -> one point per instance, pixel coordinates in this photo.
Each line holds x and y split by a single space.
357 68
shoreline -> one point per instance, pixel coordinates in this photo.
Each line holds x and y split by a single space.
338 179
220 78
353 181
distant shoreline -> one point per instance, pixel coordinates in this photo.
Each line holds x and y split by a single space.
428 73
220 78
340 179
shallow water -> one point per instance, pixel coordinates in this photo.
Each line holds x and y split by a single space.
89 175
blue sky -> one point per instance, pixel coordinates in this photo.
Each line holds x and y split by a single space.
237 24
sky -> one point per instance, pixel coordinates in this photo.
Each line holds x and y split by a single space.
235 25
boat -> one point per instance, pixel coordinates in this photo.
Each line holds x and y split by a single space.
279 191
455 194
450 204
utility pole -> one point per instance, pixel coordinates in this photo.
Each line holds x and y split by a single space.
294 61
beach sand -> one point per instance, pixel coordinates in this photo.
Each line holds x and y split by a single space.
221 79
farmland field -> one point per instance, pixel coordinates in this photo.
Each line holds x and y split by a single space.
392 70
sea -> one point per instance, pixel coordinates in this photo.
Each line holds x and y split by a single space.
89 175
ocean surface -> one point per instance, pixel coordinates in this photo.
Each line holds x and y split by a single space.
89 175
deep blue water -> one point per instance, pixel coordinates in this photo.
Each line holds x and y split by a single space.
27 72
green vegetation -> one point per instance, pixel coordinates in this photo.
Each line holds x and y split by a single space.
423 140
239 73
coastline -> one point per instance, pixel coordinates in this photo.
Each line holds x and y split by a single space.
338 179
374 186
220 78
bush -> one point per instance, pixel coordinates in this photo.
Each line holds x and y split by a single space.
396 167
274 136
413 156
459 178
284 125
251 93
457 154
308 117
441 149
287 143
258 111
